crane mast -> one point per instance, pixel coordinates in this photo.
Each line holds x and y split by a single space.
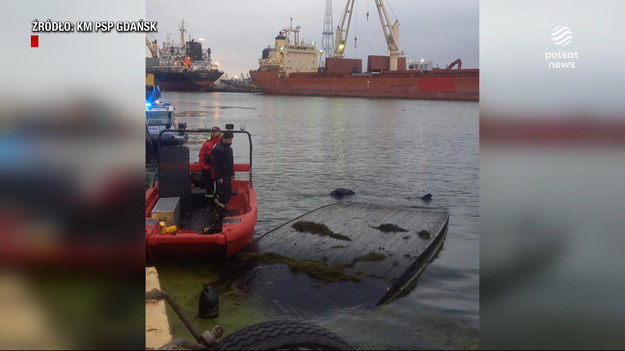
342 29
328 33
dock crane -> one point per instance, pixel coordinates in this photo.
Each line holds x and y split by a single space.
342 29
391 32
451 65
152 47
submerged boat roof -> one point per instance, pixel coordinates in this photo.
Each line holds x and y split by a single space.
376 253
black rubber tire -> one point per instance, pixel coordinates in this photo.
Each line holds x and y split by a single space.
283 334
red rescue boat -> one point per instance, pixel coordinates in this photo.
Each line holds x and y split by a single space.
176 208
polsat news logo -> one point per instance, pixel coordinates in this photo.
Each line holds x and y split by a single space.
561 36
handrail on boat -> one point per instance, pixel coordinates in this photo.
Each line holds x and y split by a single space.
208 130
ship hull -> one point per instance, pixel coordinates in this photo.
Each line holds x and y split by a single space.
445 85
186 81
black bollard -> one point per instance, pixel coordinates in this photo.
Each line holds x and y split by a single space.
209 303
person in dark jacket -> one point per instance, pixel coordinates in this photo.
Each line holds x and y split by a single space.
223 166
206 162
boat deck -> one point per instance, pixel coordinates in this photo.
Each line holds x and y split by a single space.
200 217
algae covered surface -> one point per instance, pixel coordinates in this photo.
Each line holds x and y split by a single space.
371 256
236 309
424 234
316 269
318 229
389 228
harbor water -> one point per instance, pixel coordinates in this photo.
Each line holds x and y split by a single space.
387 150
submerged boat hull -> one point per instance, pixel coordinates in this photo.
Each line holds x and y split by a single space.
341 256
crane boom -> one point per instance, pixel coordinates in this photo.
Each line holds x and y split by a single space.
342 29
391 34
451 65
152 48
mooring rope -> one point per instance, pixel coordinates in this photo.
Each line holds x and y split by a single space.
160 294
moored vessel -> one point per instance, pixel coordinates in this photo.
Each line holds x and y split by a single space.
182 67
290 68
176 213
159 117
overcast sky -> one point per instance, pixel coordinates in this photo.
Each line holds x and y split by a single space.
238 30
514 74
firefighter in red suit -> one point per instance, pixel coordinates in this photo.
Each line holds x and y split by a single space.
206 162
224 173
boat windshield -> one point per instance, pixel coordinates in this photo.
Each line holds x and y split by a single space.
156 118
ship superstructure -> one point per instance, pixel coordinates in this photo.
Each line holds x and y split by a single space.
289 54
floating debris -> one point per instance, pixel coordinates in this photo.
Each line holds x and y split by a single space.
395 263
338 247
318 229
424 234
406 237
426 197
388 227
341 193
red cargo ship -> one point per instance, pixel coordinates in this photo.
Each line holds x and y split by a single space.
439 84
290 68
